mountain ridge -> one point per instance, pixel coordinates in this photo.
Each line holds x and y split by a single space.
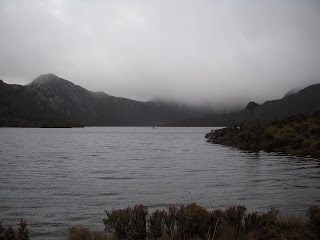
50 95
53 101
307 100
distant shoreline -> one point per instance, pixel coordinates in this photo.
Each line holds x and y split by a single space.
296 135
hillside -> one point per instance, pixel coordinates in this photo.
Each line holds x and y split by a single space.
23 106
50 100
297 134
306 100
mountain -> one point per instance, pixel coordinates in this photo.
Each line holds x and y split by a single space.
50 101
53 101
306 100
25 107
292 91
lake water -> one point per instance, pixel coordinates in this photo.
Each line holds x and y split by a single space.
57 178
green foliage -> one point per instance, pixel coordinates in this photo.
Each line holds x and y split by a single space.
252 105
297 135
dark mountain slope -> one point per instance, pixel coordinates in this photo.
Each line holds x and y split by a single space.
66 98
53 101
98 108
23 106
306 100
50 98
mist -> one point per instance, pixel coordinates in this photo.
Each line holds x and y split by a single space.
197 52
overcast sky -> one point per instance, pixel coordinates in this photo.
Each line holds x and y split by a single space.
210 51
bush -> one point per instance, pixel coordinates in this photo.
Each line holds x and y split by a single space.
297 135
235 215
9 234
157 223
294 227
315 131
314 215
232 223
129 223
195 222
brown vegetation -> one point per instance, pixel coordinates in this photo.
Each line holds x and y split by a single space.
10 233
195 222
192 222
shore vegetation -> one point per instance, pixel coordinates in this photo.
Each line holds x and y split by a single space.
195 222
296 135
191 222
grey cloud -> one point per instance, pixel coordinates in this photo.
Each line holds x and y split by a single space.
194 51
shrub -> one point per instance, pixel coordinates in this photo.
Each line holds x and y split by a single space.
232 223
235 215
9 234
157 223
314 215
170 220
252 221
193 221
294 227
129 223
229 232
23 232
315 131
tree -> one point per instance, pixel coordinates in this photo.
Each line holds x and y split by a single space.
251 106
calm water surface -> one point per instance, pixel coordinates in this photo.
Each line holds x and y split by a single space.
57 178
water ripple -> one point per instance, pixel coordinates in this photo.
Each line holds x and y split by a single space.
57 178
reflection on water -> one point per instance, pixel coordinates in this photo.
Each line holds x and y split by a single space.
56 178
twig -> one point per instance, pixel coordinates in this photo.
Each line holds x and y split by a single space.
215 228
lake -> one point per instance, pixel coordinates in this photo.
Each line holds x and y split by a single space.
57 178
